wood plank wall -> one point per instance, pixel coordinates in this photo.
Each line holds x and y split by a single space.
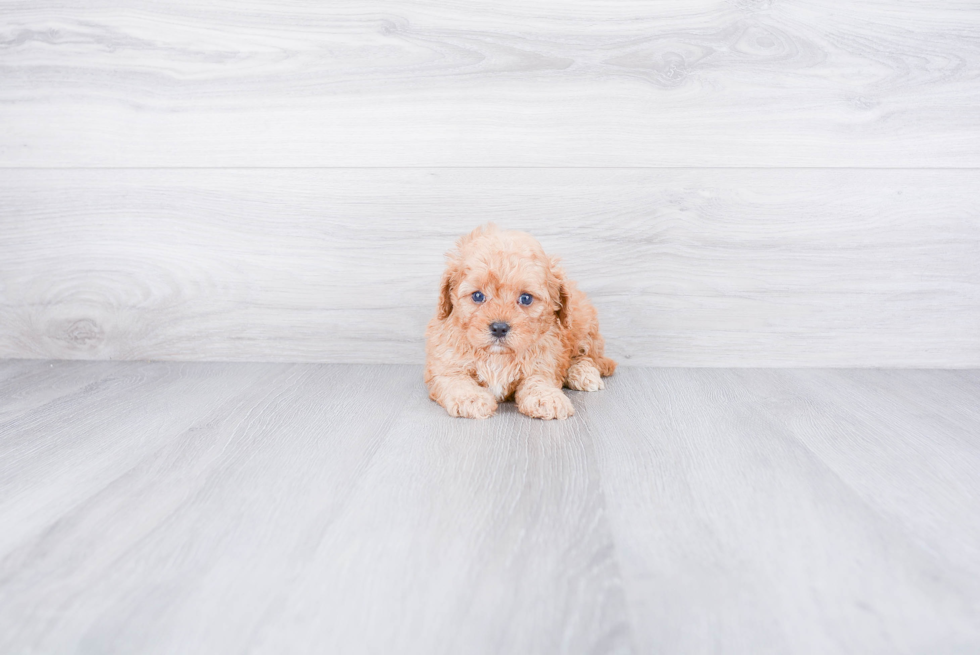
740 183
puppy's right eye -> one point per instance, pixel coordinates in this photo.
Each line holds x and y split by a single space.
478 297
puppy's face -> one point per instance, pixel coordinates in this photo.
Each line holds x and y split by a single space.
502 291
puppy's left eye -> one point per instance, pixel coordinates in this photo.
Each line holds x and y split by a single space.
526 299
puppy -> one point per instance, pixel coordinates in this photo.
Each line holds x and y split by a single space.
510 325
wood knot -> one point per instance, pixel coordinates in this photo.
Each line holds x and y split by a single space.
84 333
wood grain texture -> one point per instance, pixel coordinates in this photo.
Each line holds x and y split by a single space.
797 511
25 386
513 83
295 509
265 508
463 537
687 267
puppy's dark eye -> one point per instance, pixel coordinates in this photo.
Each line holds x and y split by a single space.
526 299
478 297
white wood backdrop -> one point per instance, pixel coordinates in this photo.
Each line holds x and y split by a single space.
687 267
504 83
749 182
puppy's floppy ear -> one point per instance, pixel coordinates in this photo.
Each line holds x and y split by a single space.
450 278
564 312
454 269
558 288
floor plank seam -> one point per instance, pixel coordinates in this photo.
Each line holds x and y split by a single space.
607 517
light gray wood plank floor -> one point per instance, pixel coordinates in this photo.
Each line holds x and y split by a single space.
293 508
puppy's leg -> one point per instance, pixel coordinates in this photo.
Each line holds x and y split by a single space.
461 396
584 375
538 397
606 365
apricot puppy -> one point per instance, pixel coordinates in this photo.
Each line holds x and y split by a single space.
509 324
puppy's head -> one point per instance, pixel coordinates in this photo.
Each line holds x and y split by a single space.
501 291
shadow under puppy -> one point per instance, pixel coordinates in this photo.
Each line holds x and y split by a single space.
510 325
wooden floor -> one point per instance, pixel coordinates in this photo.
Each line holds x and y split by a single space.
277 508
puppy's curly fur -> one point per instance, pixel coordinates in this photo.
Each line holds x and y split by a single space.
552 341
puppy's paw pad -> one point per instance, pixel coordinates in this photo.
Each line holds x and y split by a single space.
548 406
583 376
475 406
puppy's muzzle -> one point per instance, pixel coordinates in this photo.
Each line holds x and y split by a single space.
499 329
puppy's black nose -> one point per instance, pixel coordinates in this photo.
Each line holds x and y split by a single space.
499 329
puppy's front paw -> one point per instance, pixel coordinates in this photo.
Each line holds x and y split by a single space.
584 376
476 405
548 404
